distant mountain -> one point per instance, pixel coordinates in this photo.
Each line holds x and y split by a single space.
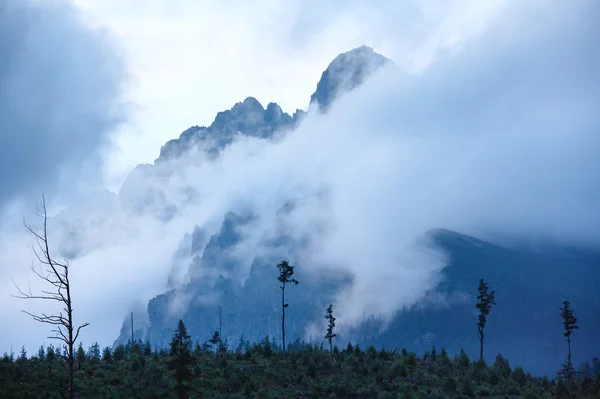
346 72
525 326
530 286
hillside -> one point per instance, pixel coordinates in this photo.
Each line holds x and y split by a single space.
525 326
260 371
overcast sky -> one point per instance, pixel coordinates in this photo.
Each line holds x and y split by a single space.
491 125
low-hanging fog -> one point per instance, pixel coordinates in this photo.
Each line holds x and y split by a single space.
499 139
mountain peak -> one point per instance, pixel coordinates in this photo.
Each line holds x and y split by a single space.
249 104
347 71
247 118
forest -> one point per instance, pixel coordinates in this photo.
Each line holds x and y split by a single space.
219 369
261 370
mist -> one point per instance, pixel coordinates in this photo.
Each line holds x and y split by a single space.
499 139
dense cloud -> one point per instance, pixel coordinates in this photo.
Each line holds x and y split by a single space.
59 89
497 140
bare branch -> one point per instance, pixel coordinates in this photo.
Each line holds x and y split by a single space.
79 329
56 275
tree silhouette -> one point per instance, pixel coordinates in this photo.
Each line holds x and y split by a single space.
286 271
330 326
81 357
216 342
485 301
56 275
181 353
569 324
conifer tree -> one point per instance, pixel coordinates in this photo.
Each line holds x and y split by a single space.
181 361
485 301
216 341
80 356
147 351
107 355
330 326
286 271
94 352
569 324
23 354
50 353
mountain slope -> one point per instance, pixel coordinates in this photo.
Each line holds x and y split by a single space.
525 326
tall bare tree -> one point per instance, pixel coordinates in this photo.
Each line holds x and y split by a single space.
55 275
286 271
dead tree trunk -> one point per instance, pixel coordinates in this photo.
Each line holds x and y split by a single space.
56 276
283 306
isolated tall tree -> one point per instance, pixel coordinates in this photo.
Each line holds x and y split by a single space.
485 301
330 326
569 324
181 360
286 271
56 276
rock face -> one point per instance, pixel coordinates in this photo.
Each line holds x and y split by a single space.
247 118
346 72
525 326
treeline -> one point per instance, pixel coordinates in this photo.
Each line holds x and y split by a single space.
260 370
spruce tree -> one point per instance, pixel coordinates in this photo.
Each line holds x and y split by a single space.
93 352
569 324
80 355
181 360
286 271
107 355
216 341
23 354
147 351
485 301
330 326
